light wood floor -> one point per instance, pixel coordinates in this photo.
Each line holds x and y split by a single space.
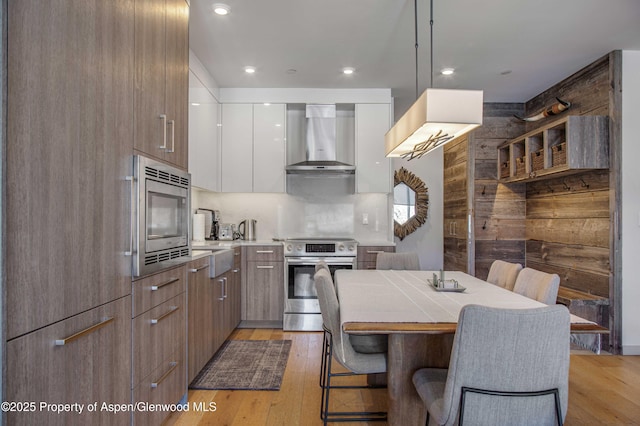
603 390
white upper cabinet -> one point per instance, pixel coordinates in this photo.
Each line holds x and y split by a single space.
204 140
373 169
237 148
269 148
253 148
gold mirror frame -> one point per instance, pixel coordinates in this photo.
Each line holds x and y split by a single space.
422 202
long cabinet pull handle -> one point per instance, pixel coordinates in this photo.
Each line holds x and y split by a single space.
171 310
159 286
264 251
173 136
172 366
88 330
163 117
132 200
221 281
264 266
198 269
375 251
225 288
236 270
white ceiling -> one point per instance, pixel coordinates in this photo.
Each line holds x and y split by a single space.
539 42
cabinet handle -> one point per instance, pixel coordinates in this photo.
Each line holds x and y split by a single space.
375 251
166 314
89 330
225 288
132 202
172 366
236 270
221 281
163 117
264 251
159 286
264 266
198 269
173 136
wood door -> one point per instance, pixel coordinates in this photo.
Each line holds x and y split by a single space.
94 367
150 77
69 147
457 254
177 84
200 317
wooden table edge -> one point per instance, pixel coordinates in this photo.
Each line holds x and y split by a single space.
440 328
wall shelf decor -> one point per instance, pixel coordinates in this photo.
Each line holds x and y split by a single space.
570 145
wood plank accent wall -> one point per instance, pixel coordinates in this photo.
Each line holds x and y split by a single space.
568 218
499 210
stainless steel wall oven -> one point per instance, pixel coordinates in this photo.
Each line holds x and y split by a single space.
301 308
161 222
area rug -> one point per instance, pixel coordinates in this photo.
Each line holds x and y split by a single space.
245 365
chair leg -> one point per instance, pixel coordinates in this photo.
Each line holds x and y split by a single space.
328 416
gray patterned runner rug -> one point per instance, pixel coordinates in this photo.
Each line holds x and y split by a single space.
245 365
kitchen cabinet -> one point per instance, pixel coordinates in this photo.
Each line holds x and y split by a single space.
264 283
162 79
269 149
159 341
214 310
237 148
367 255
569 145
253 148
373 169
200 321
204 136
69 146
83 359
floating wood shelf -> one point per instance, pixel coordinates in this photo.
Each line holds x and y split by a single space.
570 145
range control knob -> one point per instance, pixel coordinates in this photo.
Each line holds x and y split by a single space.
352 248
289 247
299 247
341 247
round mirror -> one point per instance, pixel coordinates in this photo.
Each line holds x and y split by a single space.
410 203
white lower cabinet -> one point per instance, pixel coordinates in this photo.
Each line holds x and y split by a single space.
81 361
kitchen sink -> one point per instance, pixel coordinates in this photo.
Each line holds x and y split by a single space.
220 260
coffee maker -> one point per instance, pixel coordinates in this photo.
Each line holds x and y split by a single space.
211 223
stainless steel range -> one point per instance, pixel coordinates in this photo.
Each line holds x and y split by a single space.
301 308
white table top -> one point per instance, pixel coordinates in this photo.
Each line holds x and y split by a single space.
379 296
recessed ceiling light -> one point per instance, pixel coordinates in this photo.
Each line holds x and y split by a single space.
447 71
348 70
221 9
249 70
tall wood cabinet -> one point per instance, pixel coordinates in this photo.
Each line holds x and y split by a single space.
69 146
162 79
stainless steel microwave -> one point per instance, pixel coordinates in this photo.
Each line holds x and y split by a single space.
161 216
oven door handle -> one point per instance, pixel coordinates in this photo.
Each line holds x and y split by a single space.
313 260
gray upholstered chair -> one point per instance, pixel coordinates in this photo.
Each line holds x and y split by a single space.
538 285
321 264
339 348
507 367
398 261
504 274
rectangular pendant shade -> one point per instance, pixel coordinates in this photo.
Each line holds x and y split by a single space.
452 112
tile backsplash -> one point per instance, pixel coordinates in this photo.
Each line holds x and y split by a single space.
284 215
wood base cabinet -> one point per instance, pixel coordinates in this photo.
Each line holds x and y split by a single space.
159 343
264 283
200 322
82 360
367 255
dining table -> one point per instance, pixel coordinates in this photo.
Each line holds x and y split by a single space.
420 320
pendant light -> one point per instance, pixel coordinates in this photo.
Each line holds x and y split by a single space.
436 117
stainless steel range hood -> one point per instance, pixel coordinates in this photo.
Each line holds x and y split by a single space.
320 144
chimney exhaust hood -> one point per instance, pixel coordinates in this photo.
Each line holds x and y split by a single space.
320 144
